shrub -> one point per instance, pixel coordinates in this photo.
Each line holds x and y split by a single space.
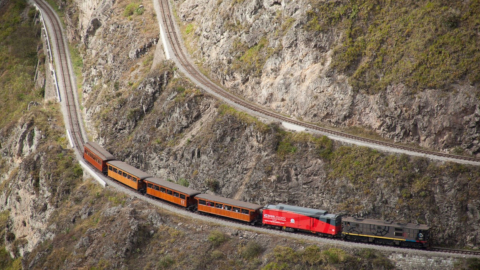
312 255
217 254
189 28
334 255
251 250
212 184
130 9
217 238
184 182
165 262
285 147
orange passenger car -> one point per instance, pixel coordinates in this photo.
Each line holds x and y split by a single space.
94 154
126 174
230 208
171 192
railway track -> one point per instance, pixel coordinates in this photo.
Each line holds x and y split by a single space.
63 77
455 251
176 45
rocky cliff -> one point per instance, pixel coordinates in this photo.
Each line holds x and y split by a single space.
348 63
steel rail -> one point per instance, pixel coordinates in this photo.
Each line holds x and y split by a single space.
176 45
65 71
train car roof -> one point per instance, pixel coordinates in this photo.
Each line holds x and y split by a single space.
386 223
299 210
129 169
173 186
99 151
233 202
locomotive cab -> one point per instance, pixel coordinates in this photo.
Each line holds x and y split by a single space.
422 235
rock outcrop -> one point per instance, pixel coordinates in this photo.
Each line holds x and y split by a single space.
262 51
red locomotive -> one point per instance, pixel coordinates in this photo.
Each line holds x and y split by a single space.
293 218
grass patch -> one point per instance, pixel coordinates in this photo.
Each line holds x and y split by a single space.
244 117
217 238
422 44
189 28
18 55
251 250
313 256
184 182
133 8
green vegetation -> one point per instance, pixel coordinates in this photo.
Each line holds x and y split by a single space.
378 260
217 238
467 264
165 262
244 117
423 44
7 263
133 8
189 28
251 250
184 182
287 258
77 62
18 55
289 142
251 60
212 184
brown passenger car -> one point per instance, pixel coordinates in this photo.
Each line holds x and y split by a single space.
94 154
126 174
171 192
225 207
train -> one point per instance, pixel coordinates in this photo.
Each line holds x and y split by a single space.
278 216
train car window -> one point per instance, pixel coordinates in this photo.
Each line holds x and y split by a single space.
218 205
244 211
114 170
210 204
202 202
228 207
236 209
398 234
398 229
149 185
110 168
182 196
124 175
162 190
155 187
169 192
328 221
176 194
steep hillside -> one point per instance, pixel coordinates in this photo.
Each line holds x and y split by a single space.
406 70
166 126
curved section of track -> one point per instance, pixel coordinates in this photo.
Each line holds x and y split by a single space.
192 72
63 74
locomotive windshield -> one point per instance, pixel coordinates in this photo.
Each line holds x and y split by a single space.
422 235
